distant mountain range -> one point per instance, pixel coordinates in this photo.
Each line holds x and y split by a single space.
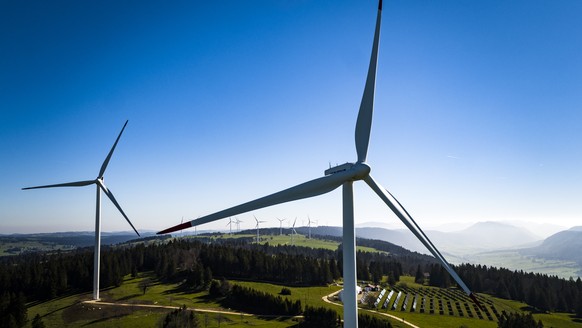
564 245
74 238
480 237
490 243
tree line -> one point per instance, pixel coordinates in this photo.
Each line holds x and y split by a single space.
195 263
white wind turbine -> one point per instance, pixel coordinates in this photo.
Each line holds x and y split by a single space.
238 222
344 175
293 232
230 225
257 227
281 226
100 184
309 227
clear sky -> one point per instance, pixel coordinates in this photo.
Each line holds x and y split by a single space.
478 109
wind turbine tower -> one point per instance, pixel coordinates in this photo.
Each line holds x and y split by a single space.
257 227
230 225
238 222
100 185
344 176
281 226
293 232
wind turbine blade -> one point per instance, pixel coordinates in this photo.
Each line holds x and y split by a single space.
106 162
364 122
406 219
68 184
305 190
112 198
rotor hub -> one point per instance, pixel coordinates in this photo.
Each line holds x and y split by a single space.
361 170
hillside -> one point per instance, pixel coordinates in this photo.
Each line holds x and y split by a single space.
46 242
564 245
179 271
480 237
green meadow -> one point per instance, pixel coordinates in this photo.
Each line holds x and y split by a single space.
130 311
135 307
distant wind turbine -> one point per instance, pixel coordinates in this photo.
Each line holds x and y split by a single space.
257 227
344 175
238 222
100 184
293 232
281 226
230 225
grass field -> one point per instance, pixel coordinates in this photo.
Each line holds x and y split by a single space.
297 240
10 246
71 312
513 260
435 307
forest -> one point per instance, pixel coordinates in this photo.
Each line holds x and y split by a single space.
196 262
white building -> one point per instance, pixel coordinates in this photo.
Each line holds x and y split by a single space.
358 291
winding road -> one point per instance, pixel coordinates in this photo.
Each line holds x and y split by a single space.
155 306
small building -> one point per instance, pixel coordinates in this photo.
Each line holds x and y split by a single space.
358 291
372 288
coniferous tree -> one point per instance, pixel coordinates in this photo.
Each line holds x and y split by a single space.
419 276
37 322
179 318
517 320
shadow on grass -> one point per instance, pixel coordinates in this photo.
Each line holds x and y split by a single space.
273 317
575 318
532 309
183 290
119 316
125 298
209 299
180 289
60 309
60 297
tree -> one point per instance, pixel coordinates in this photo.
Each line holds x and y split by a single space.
365 320
285 291
320 317
12 310
518 320
179 318
419 276
144 284
578 306
37 322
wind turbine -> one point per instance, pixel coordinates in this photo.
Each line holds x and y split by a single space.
257 227
293 232
281 226
100 184
230 224
344 175
237 224
309 226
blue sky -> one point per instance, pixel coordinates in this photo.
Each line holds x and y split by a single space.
477 112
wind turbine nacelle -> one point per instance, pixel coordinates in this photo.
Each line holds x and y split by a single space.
338 169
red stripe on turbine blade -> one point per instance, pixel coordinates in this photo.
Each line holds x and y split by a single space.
176 228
